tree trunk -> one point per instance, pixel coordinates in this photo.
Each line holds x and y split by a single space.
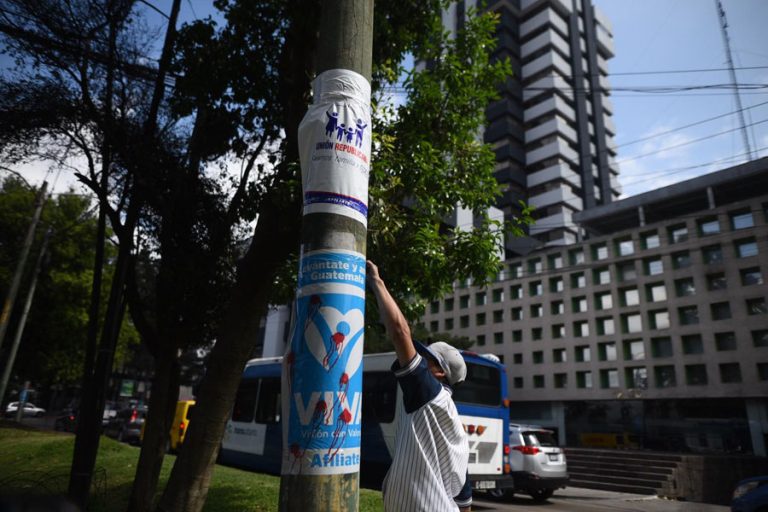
158 424
188 485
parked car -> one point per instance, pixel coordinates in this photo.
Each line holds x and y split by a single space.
751 495
126 424
66 421
538 463
30 409
110 411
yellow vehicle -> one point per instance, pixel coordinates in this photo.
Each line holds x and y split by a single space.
180 423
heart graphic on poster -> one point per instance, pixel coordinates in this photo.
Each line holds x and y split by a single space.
330 333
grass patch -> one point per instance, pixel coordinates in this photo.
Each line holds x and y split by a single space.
38 462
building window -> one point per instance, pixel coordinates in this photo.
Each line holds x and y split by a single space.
578 280
579 304
656 292
537 310
659 319
498 295
600 252
750 276
661 347
625 247
498 338
464 321
712 254
629 297
720 310
689 315
480 319
561 380
480 340
535 288
636 377
634 350
725 341
650 240
685 287
558 331
559 355
555 261
606 351
518 382
746 247
681 259
730 373
584 380
601 276
538 381
448 322
609 378
434 326
760 338
653 266
449 303
762 371
665 376
583 354
576 256
516 291
557 307
709 226
498 316
756 306
627 271
581 329
678 233
538 356
696 374
692 344
556 285
716 281
536 333
606 326
517 358
603 300
742 220
517 336
535 266
517 313
480 299
434 307
464 301
515 270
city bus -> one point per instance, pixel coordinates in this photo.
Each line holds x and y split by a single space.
253 436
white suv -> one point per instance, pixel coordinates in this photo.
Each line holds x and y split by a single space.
538 464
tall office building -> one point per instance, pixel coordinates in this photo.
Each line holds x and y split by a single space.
551 129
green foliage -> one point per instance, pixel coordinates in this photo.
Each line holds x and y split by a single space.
53 347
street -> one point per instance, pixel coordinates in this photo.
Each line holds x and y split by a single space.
574 499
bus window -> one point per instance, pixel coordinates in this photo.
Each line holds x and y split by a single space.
379 395
268 410
482 386
245 401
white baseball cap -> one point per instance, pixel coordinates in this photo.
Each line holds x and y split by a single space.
449 359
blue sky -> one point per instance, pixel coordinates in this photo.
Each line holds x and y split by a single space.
668 35
660 35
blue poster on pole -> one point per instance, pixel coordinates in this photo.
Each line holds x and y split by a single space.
322 370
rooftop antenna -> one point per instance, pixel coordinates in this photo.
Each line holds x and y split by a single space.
727 44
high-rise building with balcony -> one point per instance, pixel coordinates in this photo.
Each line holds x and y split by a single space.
551 129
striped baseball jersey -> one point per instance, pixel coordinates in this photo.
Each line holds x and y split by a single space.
429 466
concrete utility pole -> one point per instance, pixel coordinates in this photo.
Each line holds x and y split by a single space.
322 368
5 316
24 314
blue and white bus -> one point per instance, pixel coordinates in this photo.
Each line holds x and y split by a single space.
253 438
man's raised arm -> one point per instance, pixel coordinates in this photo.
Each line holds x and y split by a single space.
394 321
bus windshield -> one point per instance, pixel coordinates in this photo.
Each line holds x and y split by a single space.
482 386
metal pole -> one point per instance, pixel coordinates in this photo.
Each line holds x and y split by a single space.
23 320
322 368
14 288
